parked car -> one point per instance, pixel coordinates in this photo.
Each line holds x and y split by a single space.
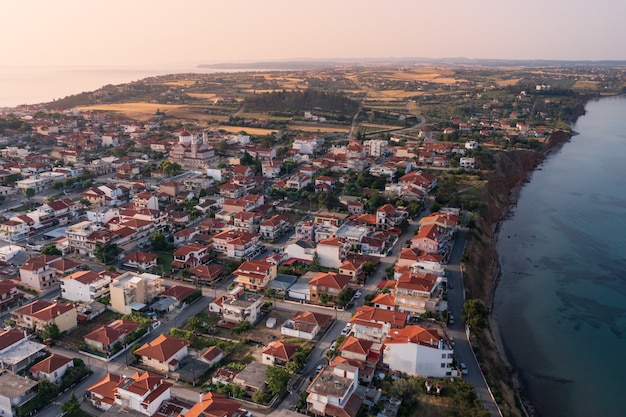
451 319
357 295
333 345
319 368
463 368
346 329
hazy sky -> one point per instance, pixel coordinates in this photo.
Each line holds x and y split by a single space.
147 32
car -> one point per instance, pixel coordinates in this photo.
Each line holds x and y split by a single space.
333 345
349 306
245 413
463 368
451 319
319 367
357 294
346 329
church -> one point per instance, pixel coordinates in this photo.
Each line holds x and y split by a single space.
191 152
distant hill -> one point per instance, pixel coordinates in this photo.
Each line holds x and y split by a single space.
306 64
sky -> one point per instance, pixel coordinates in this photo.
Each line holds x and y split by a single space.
157 32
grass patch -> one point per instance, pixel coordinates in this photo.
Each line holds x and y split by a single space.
165 261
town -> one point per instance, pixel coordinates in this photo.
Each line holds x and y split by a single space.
187 270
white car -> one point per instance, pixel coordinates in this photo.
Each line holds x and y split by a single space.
357 294
319 368
333 345
463 368
346 329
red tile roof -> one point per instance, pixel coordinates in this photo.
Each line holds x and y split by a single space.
10 337
50 364
107 387
162 348
280 350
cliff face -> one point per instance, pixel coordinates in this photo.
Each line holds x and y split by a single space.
512 171
481 267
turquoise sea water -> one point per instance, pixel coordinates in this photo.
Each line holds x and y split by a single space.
561 301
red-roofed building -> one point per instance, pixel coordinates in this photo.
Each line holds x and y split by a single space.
333 392
37 273
215 405
255 274
141 260
103 338
85 286
374 324
329 283
164 353
332 252
38 314
430 238
236 244
416 350
360 349
142 392
52 368
102 393
305 325
212 355
190 255
274 227
278 353
418 293
205 274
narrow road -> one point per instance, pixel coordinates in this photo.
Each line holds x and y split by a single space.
462 348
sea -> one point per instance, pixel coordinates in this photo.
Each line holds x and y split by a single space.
561 302
41 84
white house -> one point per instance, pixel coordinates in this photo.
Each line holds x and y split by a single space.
332 252
416 350
333 392
164 353
52 368
85 286
15 390
469 163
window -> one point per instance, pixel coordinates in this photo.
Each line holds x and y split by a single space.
443 365
443 356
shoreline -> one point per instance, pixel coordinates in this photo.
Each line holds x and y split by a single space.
494 330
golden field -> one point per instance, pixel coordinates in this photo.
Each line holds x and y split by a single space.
144 111
248 130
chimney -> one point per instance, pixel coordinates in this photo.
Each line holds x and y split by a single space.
201 396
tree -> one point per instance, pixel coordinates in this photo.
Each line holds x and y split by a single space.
106 253
475 314
50 331
51 249
71 408
315 263
369 268
29 193
277 379
344 297
47 390
242 327
158 241
324 298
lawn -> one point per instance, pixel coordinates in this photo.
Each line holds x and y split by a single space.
165 261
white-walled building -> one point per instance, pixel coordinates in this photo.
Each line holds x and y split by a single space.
332 252
416 350
85 286
164 353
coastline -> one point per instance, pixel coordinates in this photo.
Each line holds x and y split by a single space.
494 330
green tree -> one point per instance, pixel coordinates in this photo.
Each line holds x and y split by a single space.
71 408
241 327
475 314
106 253
28 193
315 263
47 390
369 268
277 379
260 397
324 298
51 249
158 241
344 297
50 331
